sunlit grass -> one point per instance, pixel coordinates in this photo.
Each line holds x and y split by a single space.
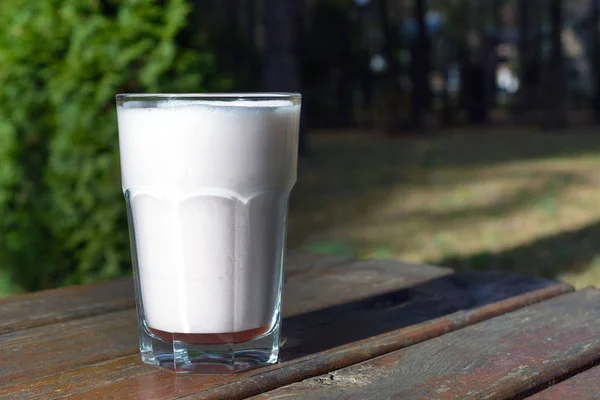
519 201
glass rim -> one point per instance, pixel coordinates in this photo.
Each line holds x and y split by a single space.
256 96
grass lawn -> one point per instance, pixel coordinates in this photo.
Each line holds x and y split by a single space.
501 198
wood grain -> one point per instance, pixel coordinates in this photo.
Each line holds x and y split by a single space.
80 301
498 359
413 307
298 261
37 352
313 288
58 305
71 344
583 386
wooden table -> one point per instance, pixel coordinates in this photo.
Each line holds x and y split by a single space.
352 330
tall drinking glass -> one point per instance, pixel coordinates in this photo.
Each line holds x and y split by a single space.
206 179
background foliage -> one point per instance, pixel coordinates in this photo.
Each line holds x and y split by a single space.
62 215
397 94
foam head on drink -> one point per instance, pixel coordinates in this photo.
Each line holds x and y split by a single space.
207 183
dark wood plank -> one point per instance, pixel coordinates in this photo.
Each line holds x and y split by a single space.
298 261
416 306
83 341
357 280
583 386
58 305
35 352
498 359
80 301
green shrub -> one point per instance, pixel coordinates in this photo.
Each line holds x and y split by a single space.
62 214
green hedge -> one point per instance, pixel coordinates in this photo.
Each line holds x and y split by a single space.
62 214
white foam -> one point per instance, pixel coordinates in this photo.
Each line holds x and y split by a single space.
174 102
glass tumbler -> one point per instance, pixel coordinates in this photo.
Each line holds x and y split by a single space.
206 179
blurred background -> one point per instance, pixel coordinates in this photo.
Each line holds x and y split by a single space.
455 132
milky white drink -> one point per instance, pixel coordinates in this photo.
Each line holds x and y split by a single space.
207 184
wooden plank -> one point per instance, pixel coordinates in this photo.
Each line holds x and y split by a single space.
583 386
296 261
43 350
35 352
80 301
352 281
359 351
416 304
58 305
501 358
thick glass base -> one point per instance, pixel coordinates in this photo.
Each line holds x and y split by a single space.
182 357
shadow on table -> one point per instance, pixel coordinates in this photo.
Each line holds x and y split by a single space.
334 326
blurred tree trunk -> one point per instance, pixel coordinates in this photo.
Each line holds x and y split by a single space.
473 74
250 32
491 53
364 74
301 52
524 56
421 65
390 50
555 85
535 67
281 69
343 67
595 59
281 59
446 106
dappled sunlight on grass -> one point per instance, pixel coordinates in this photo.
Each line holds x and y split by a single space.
423 201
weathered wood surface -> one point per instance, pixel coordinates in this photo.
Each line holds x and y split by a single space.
501 358
58 305
114 334
51 306
356 352
300 261
331 310
584 386
150 382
